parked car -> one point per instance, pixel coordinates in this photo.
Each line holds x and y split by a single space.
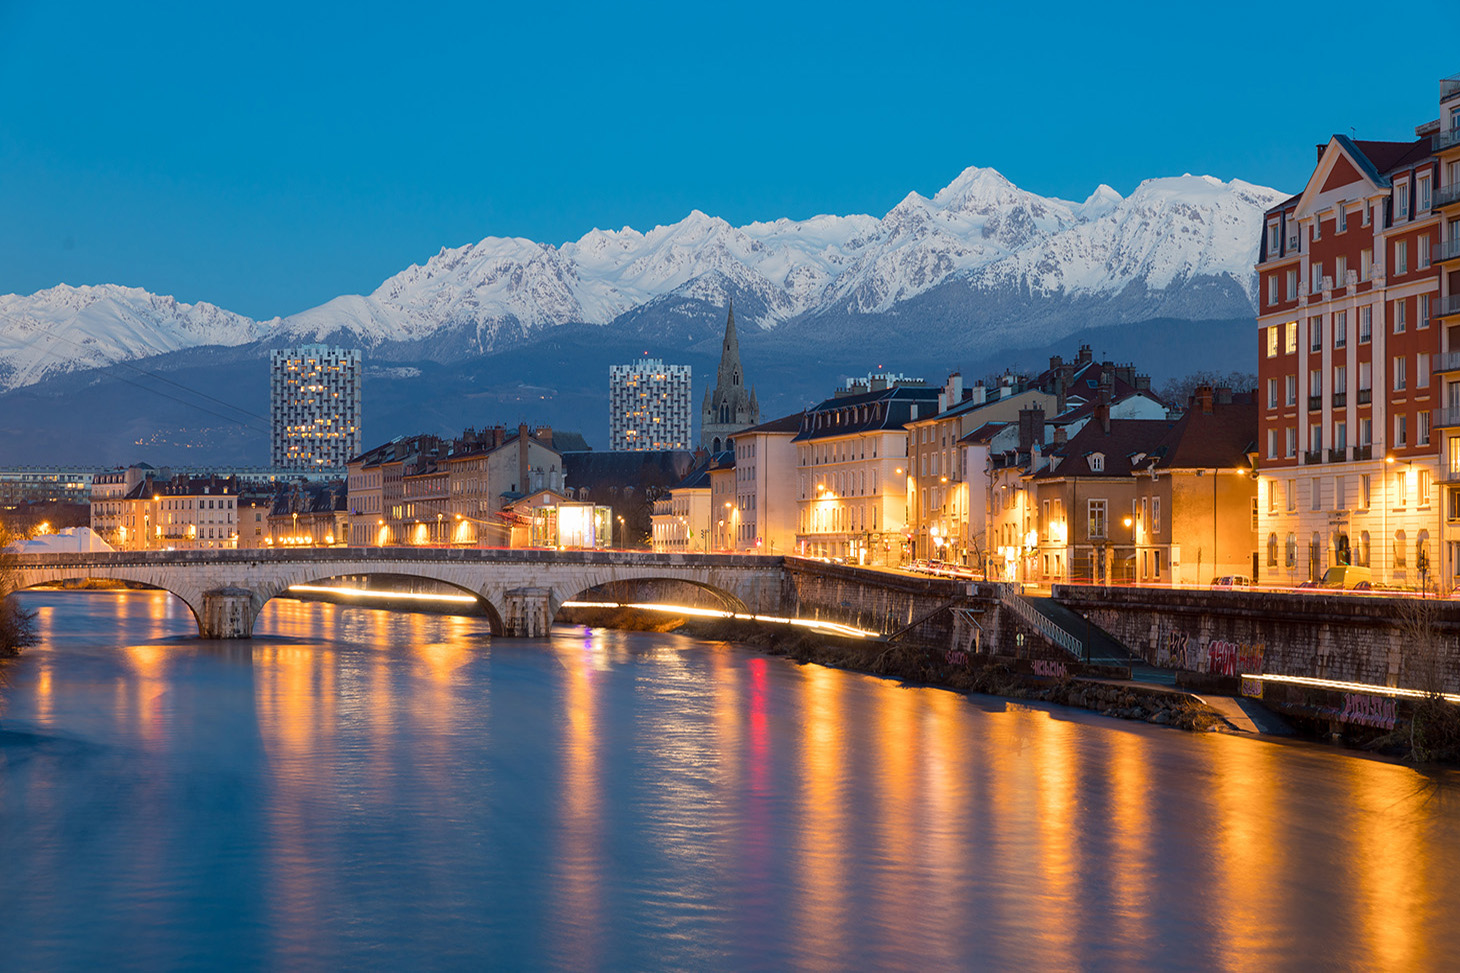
1347 577
1232 581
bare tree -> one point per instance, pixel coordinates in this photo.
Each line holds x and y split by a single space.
17 626
1434 730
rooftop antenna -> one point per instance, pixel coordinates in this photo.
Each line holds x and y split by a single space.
1352 133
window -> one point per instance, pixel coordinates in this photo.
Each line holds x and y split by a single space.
1401 433
1366 264
1366 324
1399 549
1366 432
1422 429
1272 239
1272 495
1292 442
1340 493
1272 398
1401 257
1422 187
1315 436
1340 329
1340 379
1422 259
1342 218
1272 439
1401 488
1315 381
1272 288
1400 380
1366 376
1454 513
1364 491
1340 435
1292 495
1292 337
1272 550
1363 551
1401 317
1424 312
1155 515
1097 462
1401 200
1340 271
1315 494
1293 284
1317 276
1421 371
1272 341
1292 390
1422 486
1095 522
1315 333
1290 551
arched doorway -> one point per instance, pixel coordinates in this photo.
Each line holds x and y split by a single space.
1341 551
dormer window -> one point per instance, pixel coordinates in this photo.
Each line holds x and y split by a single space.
1097 462
1401 200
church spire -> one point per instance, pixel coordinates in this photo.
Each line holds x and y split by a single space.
730 373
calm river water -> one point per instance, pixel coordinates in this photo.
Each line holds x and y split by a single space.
359 788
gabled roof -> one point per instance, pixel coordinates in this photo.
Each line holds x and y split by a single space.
1126 439
1220 439
984 433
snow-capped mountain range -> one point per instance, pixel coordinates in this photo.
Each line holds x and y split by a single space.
999 248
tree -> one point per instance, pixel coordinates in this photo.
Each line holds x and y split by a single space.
17 625
1178 391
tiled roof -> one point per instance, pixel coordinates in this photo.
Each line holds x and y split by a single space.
790 423
879 409
1126 438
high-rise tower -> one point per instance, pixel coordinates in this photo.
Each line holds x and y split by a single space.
314 406
729 407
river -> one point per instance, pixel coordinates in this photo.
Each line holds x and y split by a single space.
368 789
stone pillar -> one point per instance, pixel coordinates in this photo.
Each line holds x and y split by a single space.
527 613
228 613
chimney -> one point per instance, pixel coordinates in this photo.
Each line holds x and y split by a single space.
1102 402
522 462
1202 399
1224 395
1031 428
953 391
1055 361
979 394
499 436
1143 383
1126 373
1060 437
544 435
1085 357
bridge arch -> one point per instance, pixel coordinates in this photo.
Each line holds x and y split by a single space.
184 592
275 588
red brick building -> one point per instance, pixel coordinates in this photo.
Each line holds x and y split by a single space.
1359 372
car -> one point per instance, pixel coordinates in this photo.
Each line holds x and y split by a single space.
1232 581
1347 577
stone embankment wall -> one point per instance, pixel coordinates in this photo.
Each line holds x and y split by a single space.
881 601
1399 642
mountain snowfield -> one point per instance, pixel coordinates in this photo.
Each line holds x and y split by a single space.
981 229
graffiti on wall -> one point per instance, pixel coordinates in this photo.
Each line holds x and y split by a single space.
1234 658
1376 711
1055 670
1171 649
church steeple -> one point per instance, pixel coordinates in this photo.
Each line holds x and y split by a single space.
728 407
730 373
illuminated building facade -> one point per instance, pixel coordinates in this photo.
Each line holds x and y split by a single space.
314 407
649 406
1359 362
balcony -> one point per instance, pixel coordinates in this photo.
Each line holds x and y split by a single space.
1446 306
1449 87
1366 396
1446 140
1446 250
1338 455
1447 196
1445 418
1363 453
1312 457
1445 361
1340 400
1315 403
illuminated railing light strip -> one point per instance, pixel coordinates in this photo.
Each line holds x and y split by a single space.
1352 687
375 593
813 623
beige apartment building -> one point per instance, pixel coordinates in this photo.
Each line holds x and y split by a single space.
766 506
681 519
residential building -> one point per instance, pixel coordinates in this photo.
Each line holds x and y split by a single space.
44 484
627 482
1359 361
183 513
422 490
307 515
682 516
648 406
314 407
728 407
766 500
723 511
852 471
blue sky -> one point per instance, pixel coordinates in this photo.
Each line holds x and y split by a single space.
267 158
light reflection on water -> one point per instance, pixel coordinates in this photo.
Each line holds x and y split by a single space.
372 789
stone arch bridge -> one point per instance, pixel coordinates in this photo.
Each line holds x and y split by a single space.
522 589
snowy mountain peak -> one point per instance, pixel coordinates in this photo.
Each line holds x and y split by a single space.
1003 245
